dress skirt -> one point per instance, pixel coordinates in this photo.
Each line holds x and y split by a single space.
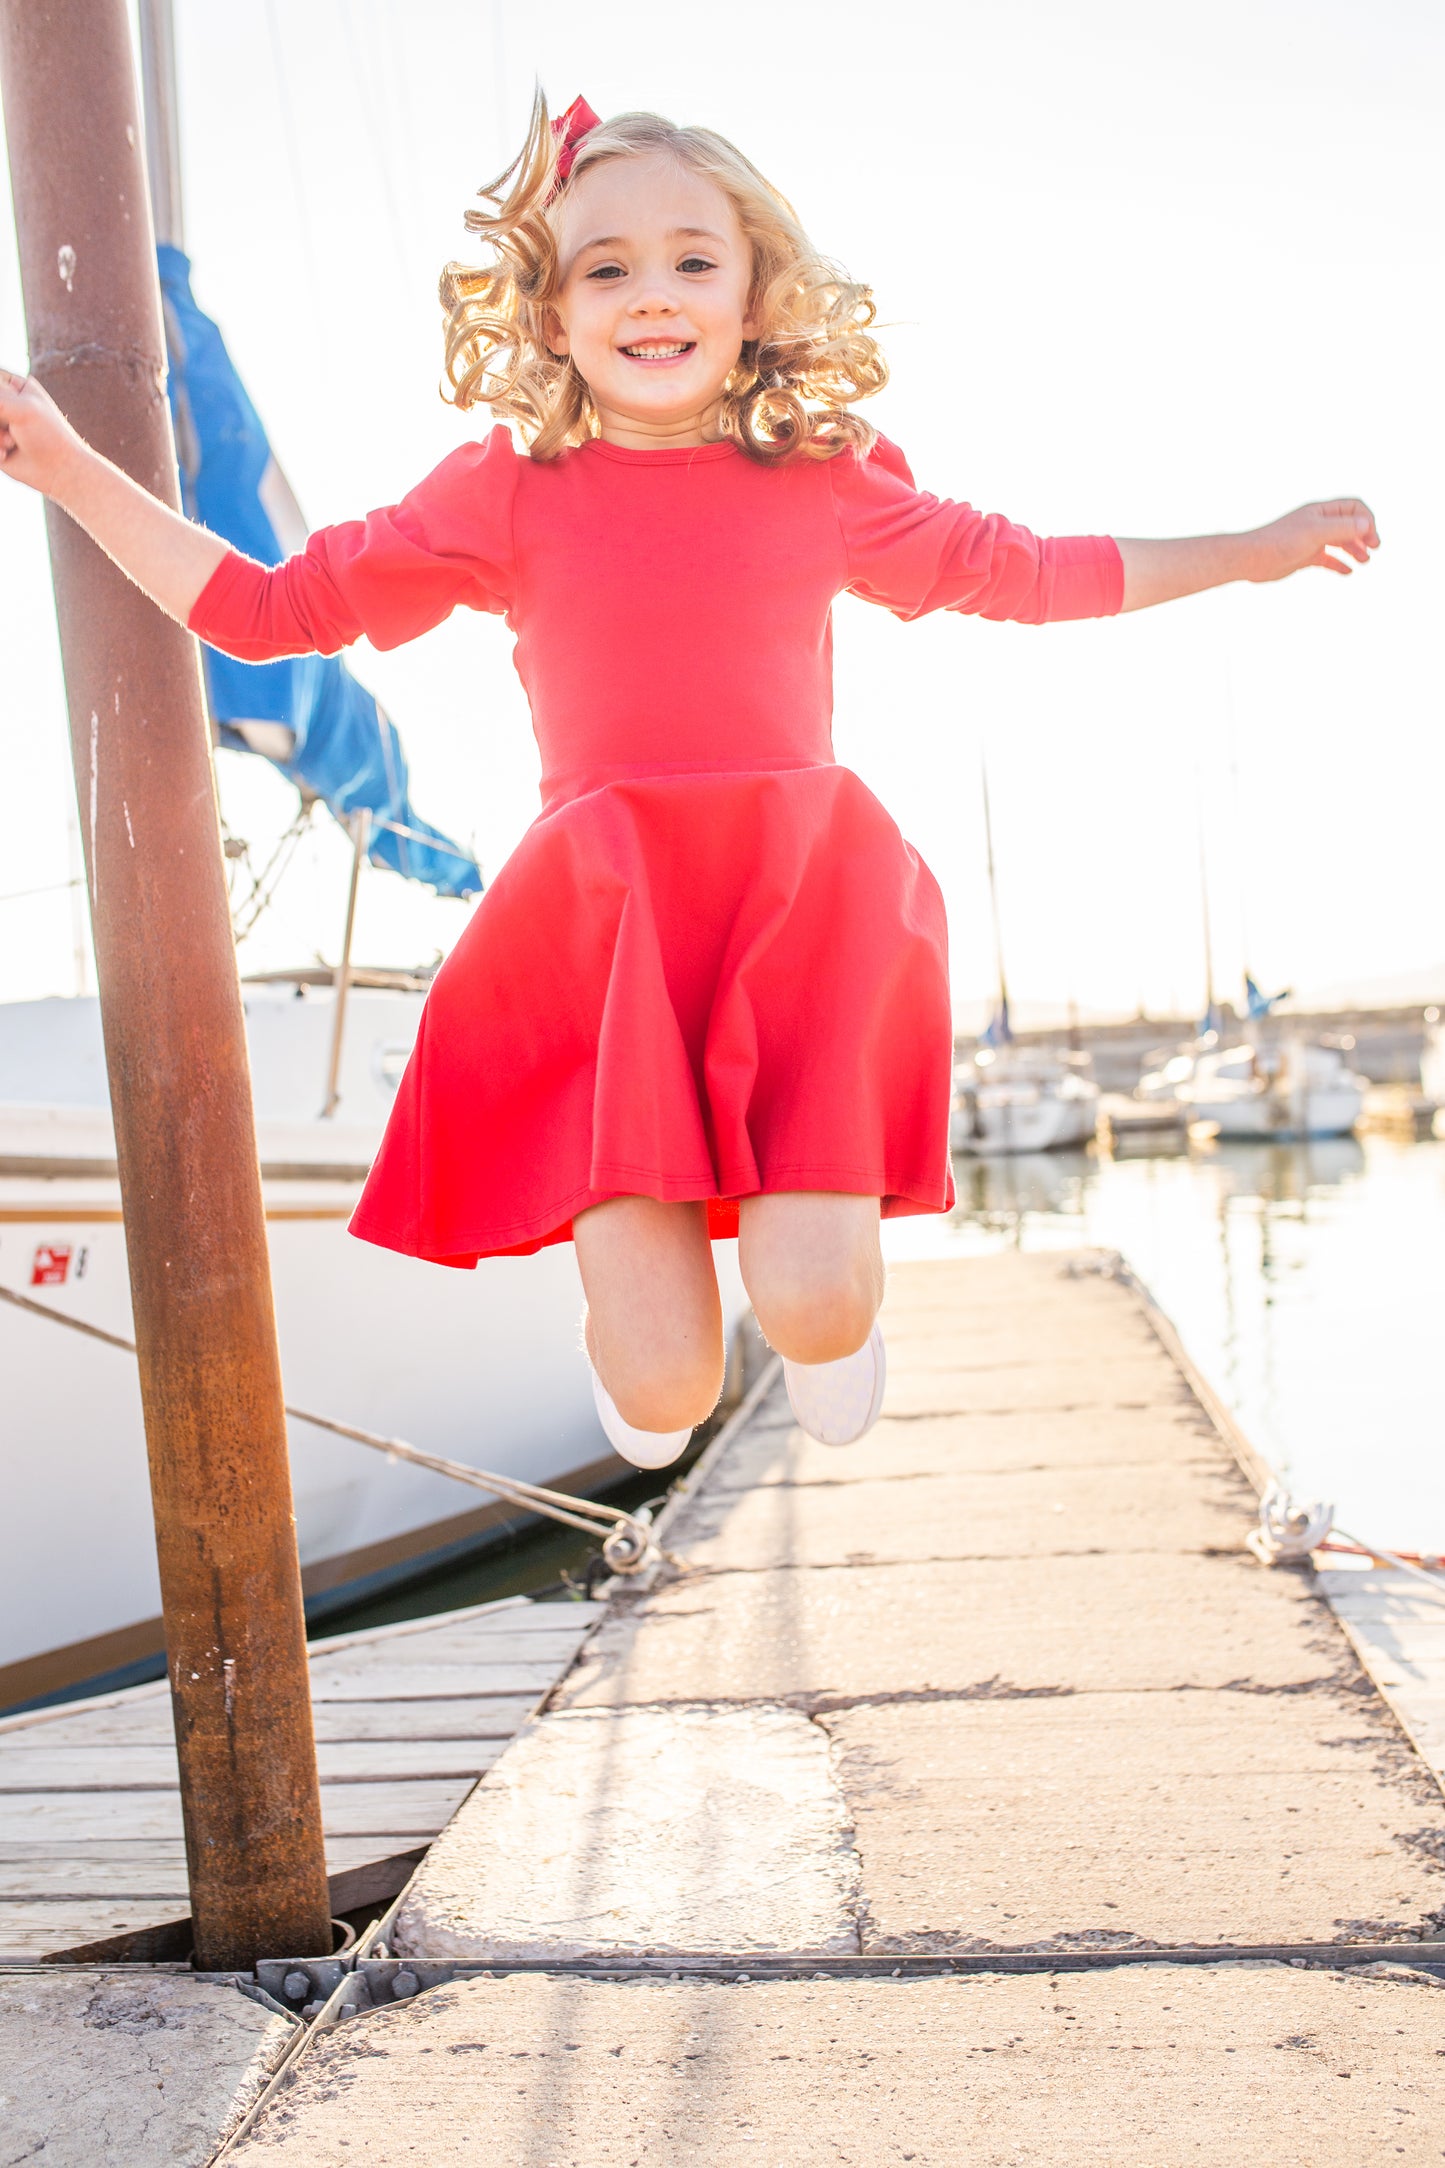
685 986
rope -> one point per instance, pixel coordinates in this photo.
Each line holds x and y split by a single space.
628 1543
1432 1559
1288 1533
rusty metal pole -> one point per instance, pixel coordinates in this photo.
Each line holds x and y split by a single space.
170 1005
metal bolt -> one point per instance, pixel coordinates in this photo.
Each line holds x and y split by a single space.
404 1984
296 1986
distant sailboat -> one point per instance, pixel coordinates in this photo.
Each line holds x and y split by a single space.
1300 1088
1009 1098
1293 1088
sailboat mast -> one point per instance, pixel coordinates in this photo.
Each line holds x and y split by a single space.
993 897
1208 936
162 119
1242 861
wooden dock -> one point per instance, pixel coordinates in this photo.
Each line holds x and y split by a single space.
92 1861
971 1796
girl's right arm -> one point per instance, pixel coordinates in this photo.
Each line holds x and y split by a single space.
391 576
168 556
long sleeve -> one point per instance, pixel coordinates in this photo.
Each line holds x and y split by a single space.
912 552
391 576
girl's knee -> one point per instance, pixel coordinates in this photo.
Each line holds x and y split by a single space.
819 1316
669 1389
654 1321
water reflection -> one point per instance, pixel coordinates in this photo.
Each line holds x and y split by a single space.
1307 1280
1001 1194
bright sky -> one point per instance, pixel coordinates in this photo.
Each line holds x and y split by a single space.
1148 270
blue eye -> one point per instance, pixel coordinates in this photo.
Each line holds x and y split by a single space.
696 263
606 271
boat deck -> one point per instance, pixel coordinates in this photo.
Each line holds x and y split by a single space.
407 1718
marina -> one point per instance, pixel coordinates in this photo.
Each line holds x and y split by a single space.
402 1759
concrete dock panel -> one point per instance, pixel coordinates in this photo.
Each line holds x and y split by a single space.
1167 2066
650 1829
1000 1677
1019 1513
105 2069
1057 1625
1136 1818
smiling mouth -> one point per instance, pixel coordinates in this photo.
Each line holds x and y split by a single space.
657 350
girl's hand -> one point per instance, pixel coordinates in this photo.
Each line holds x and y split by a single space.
166 556
1163 571
1306 537
37 444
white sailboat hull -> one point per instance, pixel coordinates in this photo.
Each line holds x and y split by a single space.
1022 1099
1332 1112
1049 1125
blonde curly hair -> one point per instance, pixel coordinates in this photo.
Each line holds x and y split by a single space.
791 392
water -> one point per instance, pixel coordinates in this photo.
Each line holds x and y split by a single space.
1307 1282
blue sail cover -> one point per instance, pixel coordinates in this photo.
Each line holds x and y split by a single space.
1258 1004
344 746
998 1031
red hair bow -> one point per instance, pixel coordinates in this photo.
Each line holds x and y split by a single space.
568 131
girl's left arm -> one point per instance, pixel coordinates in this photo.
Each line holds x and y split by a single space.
1163 571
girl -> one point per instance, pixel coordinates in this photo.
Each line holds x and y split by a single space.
708 992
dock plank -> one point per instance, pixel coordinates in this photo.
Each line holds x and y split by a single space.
512 1614
29 1938
424 1650
430 1682
417 1806
480 1716
154 1768
144 1867
461 1716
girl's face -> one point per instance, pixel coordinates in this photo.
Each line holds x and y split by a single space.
653 301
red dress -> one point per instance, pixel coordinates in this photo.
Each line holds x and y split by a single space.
712 966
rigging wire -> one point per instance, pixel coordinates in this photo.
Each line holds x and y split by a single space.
380 146
247 914
51 888
314 285
628 1542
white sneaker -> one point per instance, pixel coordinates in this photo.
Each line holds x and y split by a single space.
644 1448
838 1403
